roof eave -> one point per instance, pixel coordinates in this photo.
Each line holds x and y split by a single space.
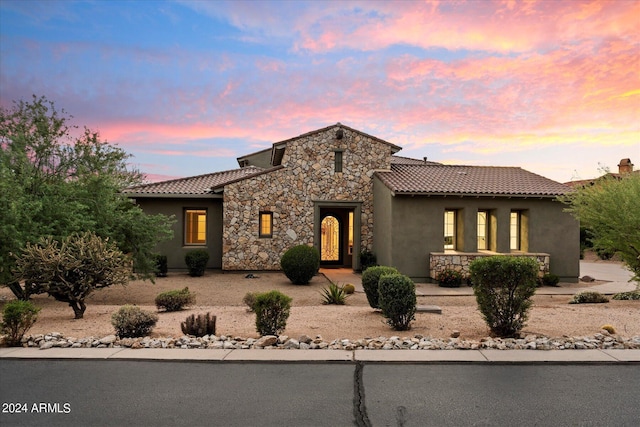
172 196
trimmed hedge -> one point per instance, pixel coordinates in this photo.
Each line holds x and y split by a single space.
196 261
450 279
503 287
397 298
175 300
370 280
17 318
131 321
272 311
300 263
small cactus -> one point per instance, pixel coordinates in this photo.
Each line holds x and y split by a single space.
349 288
204 324
608 328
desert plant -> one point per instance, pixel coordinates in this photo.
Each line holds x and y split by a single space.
334 294
349 289
249 299
17 318
588 297
608 328
130 321
161 267
370 280
196 261
272 311
175 300
203 324
549 279
367 259
397 300
503 287
300 263
450 279
72 269
631 295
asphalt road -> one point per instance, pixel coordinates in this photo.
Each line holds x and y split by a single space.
160 393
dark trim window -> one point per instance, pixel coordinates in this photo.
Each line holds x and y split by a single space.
483 230
338 161
195 227
515 231
266 225
450 229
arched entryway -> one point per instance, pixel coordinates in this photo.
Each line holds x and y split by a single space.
337 233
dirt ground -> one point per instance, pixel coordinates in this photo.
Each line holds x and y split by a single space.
222 294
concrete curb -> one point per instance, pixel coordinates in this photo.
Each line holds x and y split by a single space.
488 356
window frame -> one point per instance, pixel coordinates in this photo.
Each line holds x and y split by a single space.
486 229
515 237
338 161
261 215
189 214
454 235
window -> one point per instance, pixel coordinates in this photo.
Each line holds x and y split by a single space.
450 229
195 227
514 231
266 224
350 233
483 230
338 161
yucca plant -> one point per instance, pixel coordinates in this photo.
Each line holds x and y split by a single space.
334 294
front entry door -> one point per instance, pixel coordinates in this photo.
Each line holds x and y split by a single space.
331 240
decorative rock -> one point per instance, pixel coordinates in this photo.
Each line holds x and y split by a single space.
455 334
587 279
109 339
266 341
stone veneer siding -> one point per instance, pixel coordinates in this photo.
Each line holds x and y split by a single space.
308 176
441 261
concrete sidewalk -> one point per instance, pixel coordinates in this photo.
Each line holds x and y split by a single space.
399 356
614 273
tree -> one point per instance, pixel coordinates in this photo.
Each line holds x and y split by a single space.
610 210
53 183
72 269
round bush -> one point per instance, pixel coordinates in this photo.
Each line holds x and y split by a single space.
17 318
196 261
503 287
588 297
349 289
175 300
370 280
130 321
450 279
397 300
300 264
272 311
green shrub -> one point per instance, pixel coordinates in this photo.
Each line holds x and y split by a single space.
367 259
349 289
175 300
196 261
370 280
631 295
161 267
397 300
450 279
130 321
334 294
589 297
549 279
17 318
272 311
300 264
503 287
203 324
249 299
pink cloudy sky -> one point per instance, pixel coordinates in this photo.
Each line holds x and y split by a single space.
188 86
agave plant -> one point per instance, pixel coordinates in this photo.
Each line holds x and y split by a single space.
334 294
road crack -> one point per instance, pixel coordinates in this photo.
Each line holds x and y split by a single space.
359 406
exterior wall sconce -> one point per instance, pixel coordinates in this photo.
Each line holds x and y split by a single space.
339 134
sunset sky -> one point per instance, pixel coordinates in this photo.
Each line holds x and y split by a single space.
188 86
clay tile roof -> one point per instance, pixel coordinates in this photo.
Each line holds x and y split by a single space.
400 160
468 180
194 185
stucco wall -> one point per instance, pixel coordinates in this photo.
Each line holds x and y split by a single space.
290 193
416 227
175 249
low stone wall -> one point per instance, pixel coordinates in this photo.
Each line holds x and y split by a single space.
459 261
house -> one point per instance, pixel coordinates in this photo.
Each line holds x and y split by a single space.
344 191
625 167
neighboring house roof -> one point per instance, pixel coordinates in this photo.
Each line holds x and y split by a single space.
468 180
194 185
400 160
